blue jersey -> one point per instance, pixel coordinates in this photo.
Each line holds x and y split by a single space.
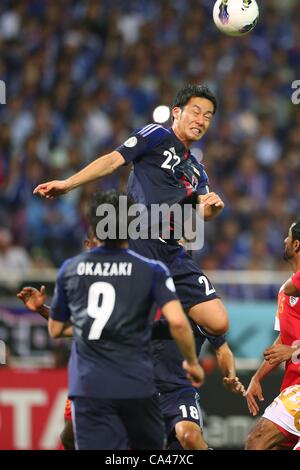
108 295
164 171
167 358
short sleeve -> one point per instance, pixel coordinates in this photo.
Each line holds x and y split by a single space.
203 183
216 341
141 141
277 324
280 303
163 287
59 307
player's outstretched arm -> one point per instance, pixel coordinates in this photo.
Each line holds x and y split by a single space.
254 390
34 300
182 333
225 360
100 167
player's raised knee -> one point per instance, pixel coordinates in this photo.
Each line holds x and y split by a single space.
221 326
191 439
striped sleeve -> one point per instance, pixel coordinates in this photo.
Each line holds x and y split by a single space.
59 307
141 141
203 183
163 288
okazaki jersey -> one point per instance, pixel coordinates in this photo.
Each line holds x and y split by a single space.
108 294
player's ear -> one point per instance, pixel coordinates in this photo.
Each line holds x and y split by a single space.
176 112
87 244
296 246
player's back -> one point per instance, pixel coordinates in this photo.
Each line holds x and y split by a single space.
109 293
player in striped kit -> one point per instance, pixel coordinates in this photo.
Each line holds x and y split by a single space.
165 172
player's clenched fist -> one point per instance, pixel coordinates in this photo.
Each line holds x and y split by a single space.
212 199
32 298
233 384
195 373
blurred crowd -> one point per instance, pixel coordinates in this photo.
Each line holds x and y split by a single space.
82 74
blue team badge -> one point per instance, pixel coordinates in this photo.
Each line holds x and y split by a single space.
293 301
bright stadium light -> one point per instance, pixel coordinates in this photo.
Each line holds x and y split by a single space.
161 114
197 152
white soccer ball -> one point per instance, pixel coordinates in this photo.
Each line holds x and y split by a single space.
235 17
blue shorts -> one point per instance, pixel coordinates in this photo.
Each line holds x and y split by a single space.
181 404
118 424
192 286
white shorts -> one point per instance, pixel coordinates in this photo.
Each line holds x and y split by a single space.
285 410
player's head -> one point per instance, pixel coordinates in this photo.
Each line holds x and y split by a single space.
107 220
292 241
192 111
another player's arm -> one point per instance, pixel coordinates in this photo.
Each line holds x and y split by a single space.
225 360
212 203
99 168
59 315
59 329
59 323
182 333
278 353
254 389
34 300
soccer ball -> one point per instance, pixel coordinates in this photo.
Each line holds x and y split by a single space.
235 17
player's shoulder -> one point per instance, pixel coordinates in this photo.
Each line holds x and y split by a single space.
296 276
197 164
150 263
70 264
291 301
195 160
153 129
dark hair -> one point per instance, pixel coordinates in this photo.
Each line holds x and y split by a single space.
112 198
189 91
296 230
